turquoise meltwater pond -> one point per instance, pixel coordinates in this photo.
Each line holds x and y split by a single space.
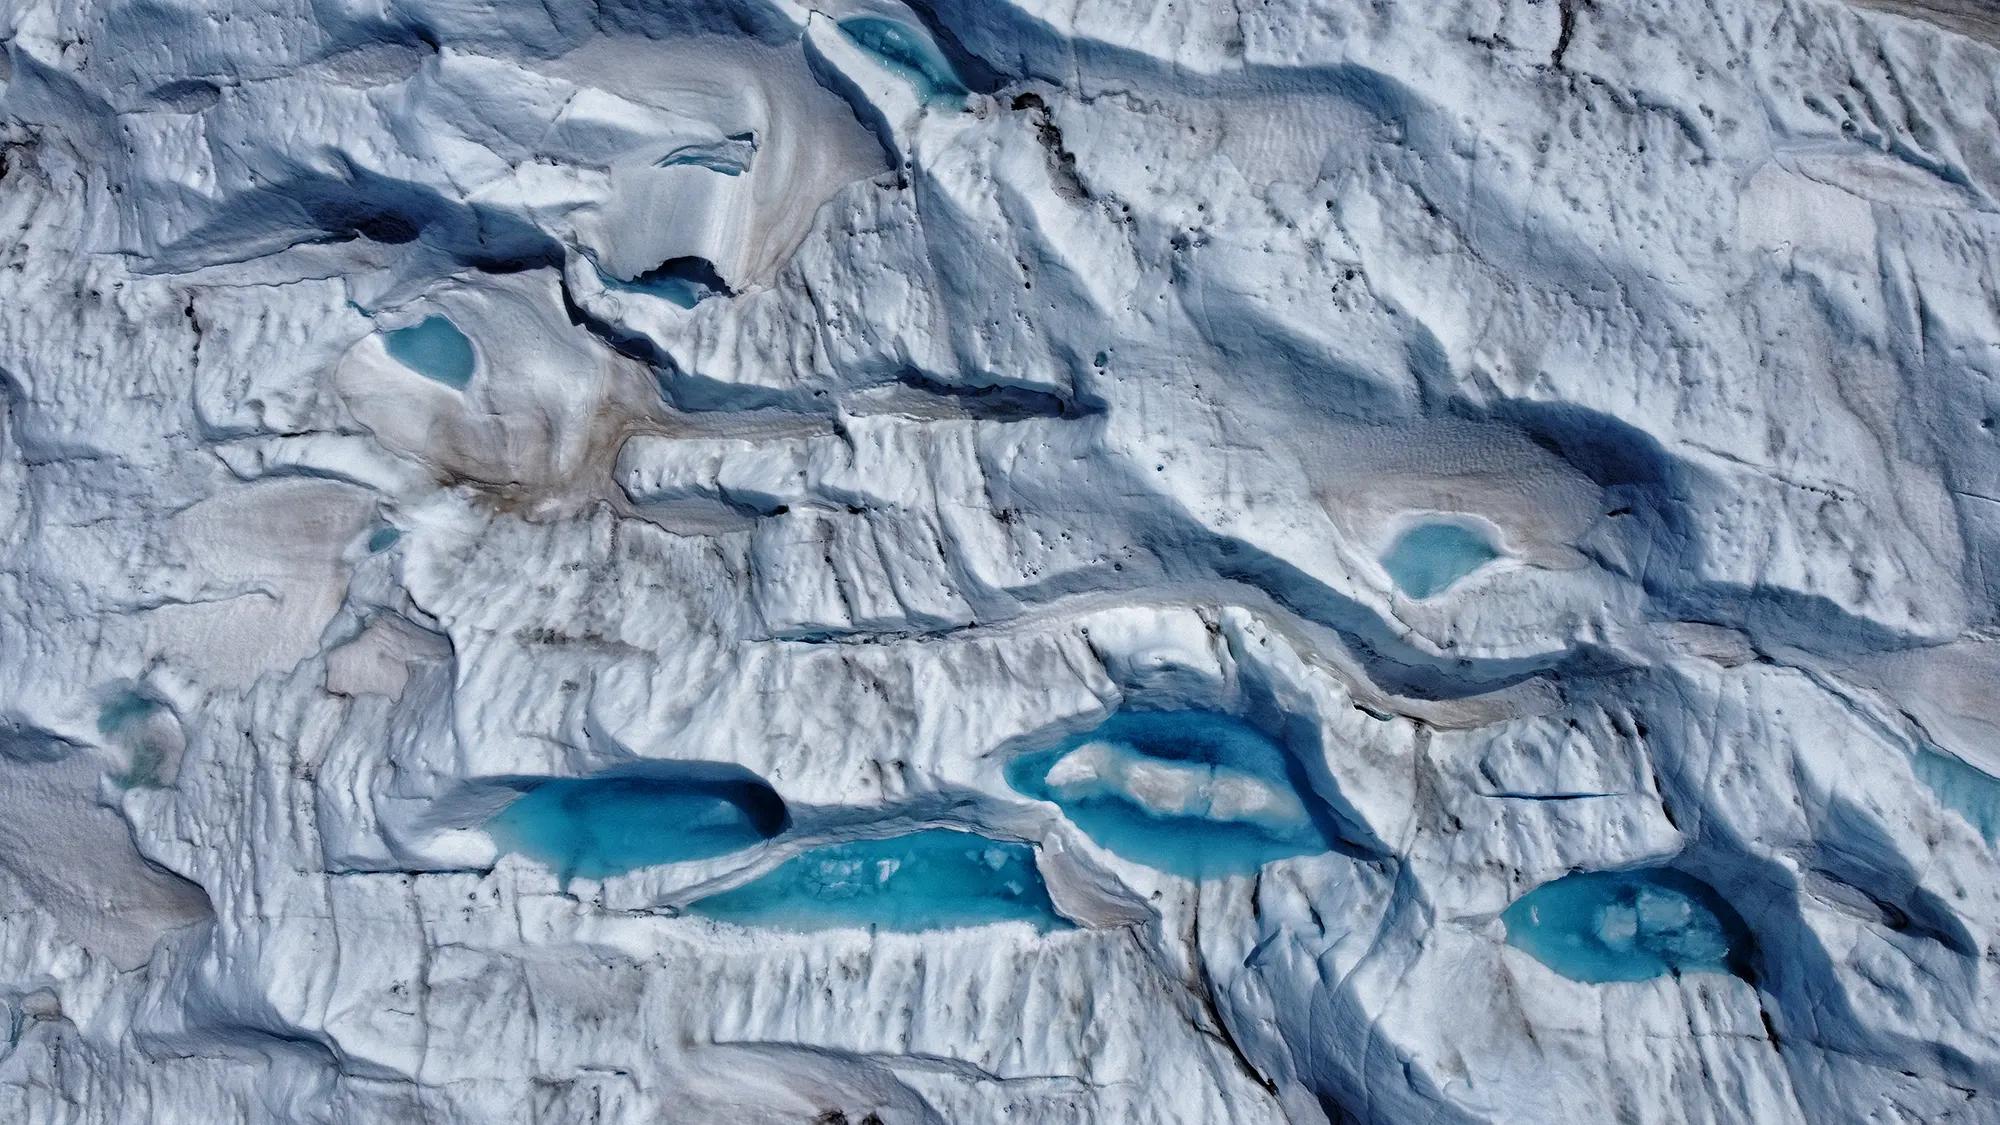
597 827
907 54
1964 790
1428 558
937 879
1195 793
435 349
1604 926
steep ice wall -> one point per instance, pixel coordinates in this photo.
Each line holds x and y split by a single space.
738 433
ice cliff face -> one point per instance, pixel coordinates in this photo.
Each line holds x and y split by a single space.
525 524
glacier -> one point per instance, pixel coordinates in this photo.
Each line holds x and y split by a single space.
629 562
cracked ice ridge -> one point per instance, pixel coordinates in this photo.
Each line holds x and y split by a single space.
1350 562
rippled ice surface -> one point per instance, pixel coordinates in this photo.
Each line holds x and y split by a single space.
1971 793
1602 926
597 827
1196 793
1429 557
906 53
435 349
932 880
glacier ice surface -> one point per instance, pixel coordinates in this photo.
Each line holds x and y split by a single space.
486 486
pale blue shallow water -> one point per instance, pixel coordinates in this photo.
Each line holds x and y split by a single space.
683 281
123 710
906 53
435 349
1603 926
1429 557
383 538
937 879
1191 846
597 827
1970 793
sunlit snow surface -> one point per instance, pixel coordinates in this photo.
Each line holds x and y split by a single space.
1171 563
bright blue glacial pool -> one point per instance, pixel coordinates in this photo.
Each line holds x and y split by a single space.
597 827
1196 793
1602 926
435 349
937 879
1968 792
906 53
1429 557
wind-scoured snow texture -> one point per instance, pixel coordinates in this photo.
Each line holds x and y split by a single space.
855 406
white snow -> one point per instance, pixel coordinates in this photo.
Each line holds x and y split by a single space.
1103 386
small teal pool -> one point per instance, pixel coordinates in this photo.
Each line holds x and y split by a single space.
435 349
383 538
597 827
908 54
686 282
1196 793
937 879
1603 926
126 709
1429 557
1966 791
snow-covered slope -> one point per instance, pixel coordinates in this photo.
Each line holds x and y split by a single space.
862 397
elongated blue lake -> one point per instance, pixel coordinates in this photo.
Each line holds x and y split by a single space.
937 879
435 349
1604 926
907 54
1428 558
597 827
1966 791
1196 793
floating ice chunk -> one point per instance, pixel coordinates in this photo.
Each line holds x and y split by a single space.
1196 793
931 880
435 349
1604 926
1429 557
1165 788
